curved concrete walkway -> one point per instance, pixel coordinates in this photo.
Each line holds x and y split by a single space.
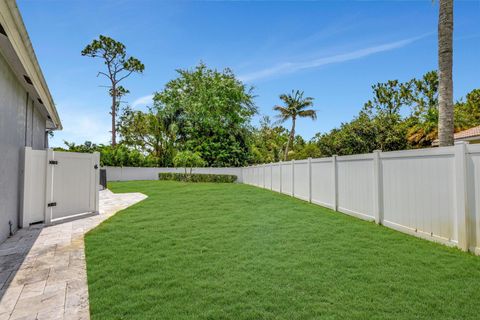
43 271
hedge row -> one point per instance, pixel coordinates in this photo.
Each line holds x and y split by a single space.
197 177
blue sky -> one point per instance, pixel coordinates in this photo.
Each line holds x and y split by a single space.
333 50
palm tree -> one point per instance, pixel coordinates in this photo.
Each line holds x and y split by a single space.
295 107
445 62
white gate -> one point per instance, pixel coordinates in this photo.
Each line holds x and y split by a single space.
59 185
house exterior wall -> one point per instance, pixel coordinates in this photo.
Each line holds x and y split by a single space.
21 124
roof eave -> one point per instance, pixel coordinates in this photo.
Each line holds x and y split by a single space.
20 43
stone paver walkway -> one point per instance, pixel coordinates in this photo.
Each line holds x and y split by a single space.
43 271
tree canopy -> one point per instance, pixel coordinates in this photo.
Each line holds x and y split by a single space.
295 106
119 67
400 116
206 114
212 111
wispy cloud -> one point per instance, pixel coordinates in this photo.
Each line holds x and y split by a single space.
143 101
291 67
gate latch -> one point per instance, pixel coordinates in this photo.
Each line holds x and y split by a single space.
52 204
53 162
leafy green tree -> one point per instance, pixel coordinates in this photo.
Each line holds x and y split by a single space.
119 67
309 150
188 159
152 132
304 149
212 111
357 136
268 142
467 113
383 123
114 156
389 97
295 106
423 121
384 112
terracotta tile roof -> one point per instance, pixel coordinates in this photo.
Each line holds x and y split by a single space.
465 134
472 132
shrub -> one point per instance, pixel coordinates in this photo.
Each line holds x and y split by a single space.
197 177
188 159
118 156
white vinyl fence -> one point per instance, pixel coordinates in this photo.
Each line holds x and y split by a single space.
58 186
142 173
430 193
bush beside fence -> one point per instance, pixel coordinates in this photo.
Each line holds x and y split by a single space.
197 177
139 173
430 193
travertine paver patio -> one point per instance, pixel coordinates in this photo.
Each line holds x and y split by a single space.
43 271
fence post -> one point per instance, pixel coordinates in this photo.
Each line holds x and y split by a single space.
461 194
293 178
25 209
377 187
96 156
334 179
280 163
48 187
309 179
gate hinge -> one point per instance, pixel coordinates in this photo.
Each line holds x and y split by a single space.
53 162
52 204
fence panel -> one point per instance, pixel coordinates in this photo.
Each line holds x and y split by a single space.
75 184
276 180
246 174
252 173
473 196
323 188
255 176
355 185
418 192
430 193
261 176
268 176
301 181
33 202
58 185
287 175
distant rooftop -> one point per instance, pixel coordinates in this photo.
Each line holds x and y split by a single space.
465 135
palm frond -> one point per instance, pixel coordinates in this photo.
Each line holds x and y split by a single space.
308 114
281 109
295 105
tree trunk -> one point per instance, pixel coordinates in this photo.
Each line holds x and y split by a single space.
114 116
445 81
290 138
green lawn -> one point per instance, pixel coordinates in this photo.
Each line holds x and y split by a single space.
231 251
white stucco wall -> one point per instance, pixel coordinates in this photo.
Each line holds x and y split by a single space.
20 125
